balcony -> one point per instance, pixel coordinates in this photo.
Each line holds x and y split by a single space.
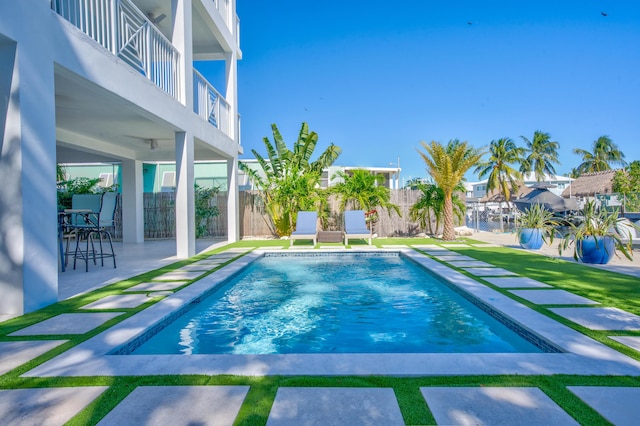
209 104
120 27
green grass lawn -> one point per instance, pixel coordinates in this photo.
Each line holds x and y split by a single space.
608 288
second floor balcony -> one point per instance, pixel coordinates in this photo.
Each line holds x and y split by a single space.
133 36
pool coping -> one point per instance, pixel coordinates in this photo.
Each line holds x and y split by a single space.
582 355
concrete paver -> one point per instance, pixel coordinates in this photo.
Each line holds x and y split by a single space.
67 324
515 282
179 275
178 405
45 406
14 354
469 263
618 405
632 341
553 297
157 286
124 301
197 266
600 318
494 406
335 406
431 248
489 272
452 257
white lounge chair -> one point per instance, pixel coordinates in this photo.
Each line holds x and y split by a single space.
306 228
355 226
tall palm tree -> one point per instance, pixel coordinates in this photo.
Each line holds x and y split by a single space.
604 153
502 153
447 166
289 179
542 153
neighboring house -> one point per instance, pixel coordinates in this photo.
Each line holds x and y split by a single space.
329 177
559 184
107 81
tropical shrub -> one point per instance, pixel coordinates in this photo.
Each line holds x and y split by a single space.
204 210
289 181
362 190
430 205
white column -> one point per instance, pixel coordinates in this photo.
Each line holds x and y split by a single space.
182 39
132 202
28 204
231 95
185 197
233 214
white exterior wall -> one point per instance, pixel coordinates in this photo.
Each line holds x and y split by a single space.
38 47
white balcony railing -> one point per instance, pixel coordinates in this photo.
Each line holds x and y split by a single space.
210 105
231 20
120 27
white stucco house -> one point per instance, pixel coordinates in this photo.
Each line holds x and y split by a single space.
107 80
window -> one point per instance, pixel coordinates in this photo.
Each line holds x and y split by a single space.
168 182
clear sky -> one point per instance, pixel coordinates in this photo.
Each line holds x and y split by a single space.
377 77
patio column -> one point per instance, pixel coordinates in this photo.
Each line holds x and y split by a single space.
28 204
233 214
185 197
132 202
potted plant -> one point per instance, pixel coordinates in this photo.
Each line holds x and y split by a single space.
597 237
537 225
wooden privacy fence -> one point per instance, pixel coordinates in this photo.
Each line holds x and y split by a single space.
159 216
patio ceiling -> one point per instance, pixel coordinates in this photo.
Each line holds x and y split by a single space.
93 124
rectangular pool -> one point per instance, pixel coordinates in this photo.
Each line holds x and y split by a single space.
314 303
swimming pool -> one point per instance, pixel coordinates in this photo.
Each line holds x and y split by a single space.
333 303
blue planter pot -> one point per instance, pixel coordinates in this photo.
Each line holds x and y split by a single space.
599 253
530 238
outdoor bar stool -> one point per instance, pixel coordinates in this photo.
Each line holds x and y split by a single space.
95 226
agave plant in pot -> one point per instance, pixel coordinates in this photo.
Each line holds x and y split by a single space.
536 225
597 237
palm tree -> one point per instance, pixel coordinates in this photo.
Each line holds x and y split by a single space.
604 154
447 166
502 153
364 190
290 180
431 201
542 154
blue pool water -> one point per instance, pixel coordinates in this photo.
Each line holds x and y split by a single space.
334 304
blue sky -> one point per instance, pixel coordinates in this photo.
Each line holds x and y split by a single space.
377 77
